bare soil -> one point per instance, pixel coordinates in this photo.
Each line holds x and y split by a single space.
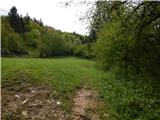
85 105
25 101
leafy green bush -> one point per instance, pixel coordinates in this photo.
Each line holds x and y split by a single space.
127 46
52 44
12 43
129 97
110 45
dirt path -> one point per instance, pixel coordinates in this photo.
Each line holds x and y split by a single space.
85 105
23 100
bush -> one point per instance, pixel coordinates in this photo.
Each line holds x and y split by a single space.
52 45
110 46
12 43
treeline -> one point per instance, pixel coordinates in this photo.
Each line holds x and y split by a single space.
24 36
126 35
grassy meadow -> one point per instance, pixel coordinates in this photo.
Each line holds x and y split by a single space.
122 99
114 65
64 75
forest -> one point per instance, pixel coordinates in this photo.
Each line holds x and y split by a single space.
24 36
119 59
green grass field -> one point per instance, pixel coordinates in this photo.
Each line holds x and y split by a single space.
122 98
64 75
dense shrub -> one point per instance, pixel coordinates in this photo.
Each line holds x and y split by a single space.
52 44
133 44
12 43
128 48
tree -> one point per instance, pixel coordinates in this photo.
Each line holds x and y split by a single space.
52 44
16 21
130 37
13 11
12 43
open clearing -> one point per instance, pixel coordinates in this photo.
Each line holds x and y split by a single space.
50 89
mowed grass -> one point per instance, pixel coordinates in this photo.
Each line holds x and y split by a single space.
64 75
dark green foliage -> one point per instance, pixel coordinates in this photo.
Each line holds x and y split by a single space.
12 43
130 98
128 44
52 44
133 43
16 21
26 36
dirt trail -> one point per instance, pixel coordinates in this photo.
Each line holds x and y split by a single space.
25 101
85 105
